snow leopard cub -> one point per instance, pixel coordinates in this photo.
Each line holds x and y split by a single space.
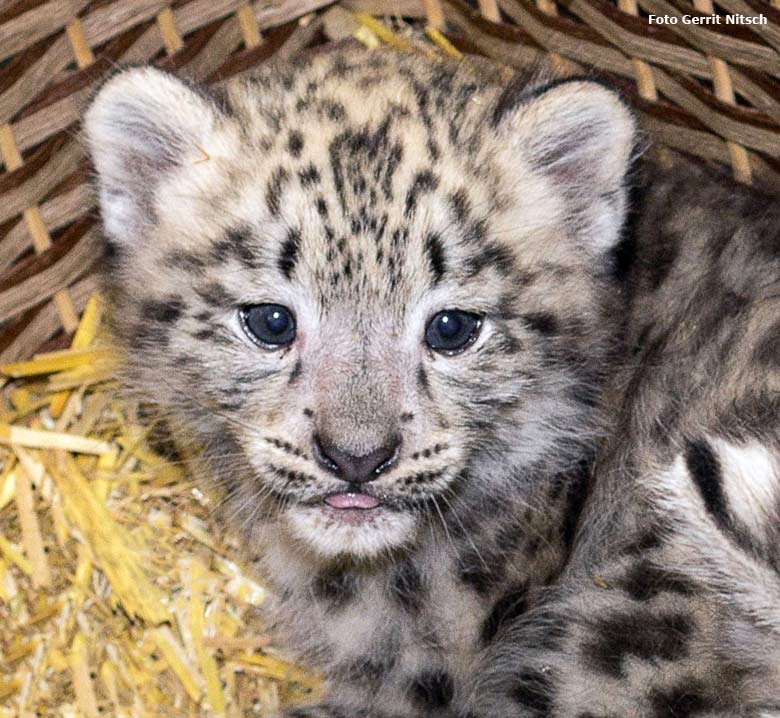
383 294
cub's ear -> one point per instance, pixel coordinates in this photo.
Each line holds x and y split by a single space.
577 130
580 135
142 123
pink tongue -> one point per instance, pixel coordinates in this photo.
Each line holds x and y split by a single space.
351 501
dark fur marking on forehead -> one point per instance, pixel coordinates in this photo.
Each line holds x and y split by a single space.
332 110
640 634
435 251
432 689
425 181
274 190
493 256
534 690
215 294
460 205
295 143
288 257
506 609
236 245
166 311
309 176
181 259
705 471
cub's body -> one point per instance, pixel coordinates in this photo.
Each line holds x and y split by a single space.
371 202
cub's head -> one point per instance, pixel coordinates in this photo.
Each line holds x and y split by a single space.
378 290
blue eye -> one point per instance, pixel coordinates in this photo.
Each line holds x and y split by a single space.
451 331
271 325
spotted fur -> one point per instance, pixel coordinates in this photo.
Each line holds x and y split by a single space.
368 192
670 604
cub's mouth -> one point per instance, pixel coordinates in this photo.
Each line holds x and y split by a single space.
352 507
352 500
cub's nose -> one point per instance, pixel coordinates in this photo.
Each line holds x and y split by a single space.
356 469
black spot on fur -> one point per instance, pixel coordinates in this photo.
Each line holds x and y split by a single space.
705 471
296 372
336 586
236 244
215 295
645 581
309 176
478 572
767 352
644 542
422 381
166 311
491 256
289 254
273 192
188 261
204 335
435 252
461 207
510 606
407 586
370 670
295 143
534 691
641 634
423 182
664 250
577 485
542 322
687 699
432 689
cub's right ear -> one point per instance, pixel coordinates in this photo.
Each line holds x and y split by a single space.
142 123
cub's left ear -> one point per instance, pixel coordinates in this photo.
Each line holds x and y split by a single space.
142 124
577 130
580 135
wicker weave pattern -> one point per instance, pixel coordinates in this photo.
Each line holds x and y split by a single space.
712 91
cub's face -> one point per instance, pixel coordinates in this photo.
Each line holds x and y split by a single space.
377 290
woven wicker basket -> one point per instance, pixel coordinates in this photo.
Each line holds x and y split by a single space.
115 596
712 91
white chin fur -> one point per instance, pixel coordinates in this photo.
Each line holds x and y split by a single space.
330 537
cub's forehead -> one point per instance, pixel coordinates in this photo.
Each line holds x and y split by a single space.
350 174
